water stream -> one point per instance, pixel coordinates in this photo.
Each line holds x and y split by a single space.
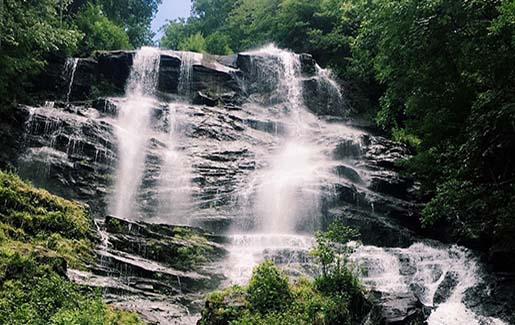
133 131
70 68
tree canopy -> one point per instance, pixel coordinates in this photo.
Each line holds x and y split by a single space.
31 31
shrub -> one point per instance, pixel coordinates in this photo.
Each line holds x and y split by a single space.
268 289
40 235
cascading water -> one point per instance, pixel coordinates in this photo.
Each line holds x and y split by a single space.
175 188
422 269
70 68
263 163
133 130
285 195
188 59
287 191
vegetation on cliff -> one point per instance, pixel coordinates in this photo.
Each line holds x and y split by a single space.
32 31
40 236
334 297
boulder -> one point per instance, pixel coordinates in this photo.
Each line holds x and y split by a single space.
446 287
398 309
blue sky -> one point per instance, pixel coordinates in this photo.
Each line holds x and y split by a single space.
170 9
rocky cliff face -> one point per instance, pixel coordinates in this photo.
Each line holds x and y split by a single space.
71 147
224 119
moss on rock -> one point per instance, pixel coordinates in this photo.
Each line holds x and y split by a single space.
40 235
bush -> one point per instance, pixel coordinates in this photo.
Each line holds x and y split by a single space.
271 299
268 288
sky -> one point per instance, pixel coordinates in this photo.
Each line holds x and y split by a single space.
168 10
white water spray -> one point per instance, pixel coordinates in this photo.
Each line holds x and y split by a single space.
133 130
400 270
175 188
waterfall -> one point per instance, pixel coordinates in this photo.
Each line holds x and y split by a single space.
188 59
287 193
70 68
175 188
285 196
133 130
421 269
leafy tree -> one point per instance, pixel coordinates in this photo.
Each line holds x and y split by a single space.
30 30
194 43
445 68
268 288
175 32
100 33
250 23
134 16
208 16
218 43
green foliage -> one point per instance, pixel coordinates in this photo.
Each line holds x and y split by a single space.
268 289
193 43
218 43
30 30
331 251
40 235
298 303
332 247
134 16
271 299
402 135
41 296
174 32
445 67
100 33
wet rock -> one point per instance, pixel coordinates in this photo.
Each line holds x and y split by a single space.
215 80
347 149
157 270
374 229
114 69
308 64
395 309
493 297
446 287
169 73
322 98
349 173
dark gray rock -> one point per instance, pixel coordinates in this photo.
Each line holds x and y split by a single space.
169 73
374 229
114 68
401 309
502 256
308 64
446 287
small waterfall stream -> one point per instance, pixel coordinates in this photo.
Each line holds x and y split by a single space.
70 68
188 59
